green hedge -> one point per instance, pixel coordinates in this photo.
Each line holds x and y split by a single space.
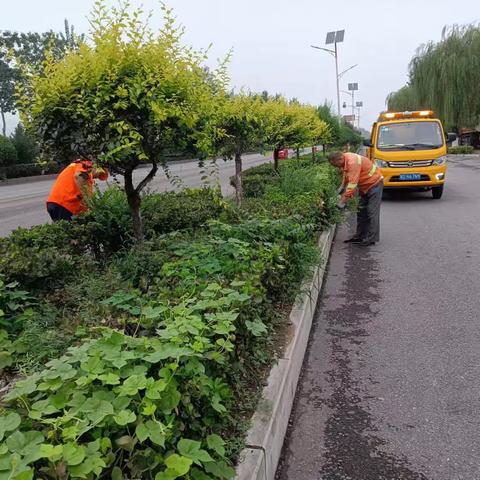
461 150
29 170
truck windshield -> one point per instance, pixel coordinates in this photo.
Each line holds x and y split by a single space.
410 136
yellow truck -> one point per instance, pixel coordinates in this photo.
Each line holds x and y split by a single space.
410 148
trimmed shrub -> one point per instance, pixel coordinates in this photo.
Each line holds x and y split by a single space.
29 170
461 150
107 226
40 257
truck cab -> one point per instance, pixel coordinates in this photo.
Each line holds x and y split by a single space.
410 148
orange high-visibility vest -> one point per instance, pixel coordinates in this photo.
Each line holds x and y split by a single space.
359 173
65 191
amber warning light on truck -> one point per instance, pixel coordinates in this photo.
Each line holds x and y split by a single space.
397 115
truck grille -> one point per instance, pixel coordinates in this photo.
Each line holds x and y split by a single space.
411 164
423 178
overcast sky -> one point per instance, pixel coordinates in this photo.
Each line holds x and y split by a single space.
271 39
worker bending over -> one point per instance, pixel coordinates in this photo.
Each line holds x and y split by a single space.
359 173
71 188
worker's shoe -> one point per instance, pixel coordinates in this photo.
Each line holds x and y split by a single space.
353 240
365 244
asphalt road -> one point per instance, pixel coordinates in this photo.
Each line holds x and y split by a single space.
391 382
23 205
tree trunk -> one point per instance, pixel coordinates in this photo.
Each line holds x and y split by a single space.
134 201
238 179
313 154
298 153
275 159
4 124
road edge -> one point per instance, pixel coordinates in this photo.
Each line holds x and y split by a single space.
259 460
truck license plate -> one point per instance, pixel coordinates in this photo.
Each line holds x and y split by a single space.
410 176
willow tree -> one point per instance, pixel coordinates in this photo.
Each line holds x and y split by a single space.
444 76
124 99
403 99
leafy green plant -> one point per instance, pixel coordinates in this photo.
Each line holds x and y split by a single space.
7 349
118 400
164 340
14 305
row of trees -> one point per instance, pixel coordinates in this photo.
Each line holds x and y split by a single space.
30 48
444 76
130 96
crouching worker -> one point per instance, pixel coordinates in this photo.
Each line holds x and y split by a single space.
359 173
71 188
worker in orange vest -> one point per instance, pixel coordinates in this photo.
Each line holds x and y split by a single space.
71 188
362 175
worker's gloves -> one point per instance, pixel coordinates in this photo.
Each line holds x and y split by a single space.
341 205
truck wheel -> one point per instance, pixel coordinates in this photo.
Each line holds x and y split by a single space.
437 192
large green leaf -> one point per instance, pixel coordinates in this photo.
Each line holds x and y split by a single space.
181 465
192 449
8 423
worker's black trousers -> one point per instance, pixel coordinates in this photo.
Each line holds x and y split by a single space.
57 212
368 216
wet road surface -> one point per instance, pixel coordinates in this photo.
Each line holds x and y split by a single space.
390 388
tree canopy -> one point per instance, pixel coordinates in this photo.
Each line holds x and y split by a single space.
126 98
30 49
444 77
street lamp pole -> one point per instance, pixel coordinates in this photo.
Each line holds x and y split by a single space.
338 80
334 38
359 105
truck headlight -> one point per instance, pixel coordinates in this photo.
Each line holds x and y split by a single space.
381 163
440 161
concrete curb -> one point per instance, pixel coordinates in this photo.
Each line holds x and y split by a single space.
269 423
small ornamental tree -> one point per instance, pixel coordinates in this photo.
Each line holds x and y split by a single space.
124 99
286 125
242 127
320 131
